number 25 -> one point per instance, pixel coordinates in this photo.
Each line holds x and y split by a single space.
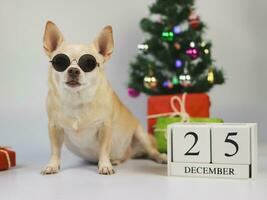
227 139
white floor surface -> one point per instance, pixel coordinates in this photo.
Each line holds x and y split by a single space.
135 179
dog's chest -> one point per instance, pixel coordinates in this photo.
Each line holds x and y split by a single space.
82 138
83 142
81 133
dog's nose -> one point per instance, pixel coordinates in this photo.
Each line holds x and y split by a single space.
73 72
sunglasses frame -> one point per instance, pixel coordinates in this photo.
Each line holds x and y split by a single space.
70 61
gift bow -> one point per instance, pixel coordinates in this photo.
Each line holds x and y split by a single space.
182 113
4 150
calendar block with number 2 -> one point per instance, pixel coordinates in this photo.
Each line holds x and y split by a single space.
227 150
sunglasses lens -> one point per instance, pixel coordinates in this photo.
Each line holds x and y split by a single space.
60 62
87 63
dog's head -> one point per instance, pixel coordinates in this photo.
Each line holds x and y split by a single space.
76 67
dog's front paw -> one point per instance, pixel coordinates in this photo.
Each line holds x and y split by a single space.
106 170
160 158
50 169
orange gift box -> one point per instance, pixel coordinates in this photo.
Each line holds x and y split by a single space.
7 158
196 105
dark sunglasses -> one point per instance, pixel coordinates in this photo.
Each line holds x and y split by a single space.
86 62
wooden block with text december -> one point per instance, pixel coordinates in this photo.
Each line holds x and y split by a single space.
227 150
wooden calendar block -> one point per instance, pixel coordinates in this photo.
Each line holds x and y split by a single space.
191 144
209 170
254 149
231 144
227 150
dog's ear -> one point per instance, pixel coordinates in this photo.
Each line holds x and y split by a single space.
53 38
104 42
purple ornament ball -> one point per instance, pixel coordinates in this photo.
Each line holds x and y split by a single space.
133 92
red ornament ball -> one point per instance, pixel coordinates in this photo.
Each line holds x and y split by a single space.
194 24
194 20
133 92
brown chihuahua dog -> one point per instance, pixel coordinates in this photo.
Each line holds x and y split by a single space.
83 110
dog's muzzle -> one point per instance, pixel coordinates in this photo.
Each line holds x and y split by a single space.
73 77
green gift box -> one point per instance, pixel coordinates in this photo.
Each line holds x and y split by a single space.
160 131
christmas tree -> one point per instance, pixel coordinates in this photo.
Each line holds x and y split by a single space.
174 57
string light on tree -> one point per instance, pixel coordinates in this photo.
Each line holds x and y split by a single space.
177 29
178 63
167 35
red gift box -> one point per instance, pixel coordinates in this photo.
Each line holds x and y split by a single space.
7 158
195 104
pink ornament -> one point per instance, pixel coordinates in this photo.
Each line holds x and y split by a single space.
133 92
193 53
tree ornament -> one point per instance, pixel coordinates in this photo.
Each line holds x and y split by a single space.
167 35
133 92
192 52
194 20
178 63
194 24
177 29
150 82
177 46
176 40
210 77
185 80
168 84
143 48
175 80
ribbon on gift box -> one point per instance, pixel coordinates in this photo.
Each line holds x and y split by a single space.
182 113
4 150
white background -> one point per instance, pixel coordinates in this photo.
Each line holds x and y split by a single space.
237 29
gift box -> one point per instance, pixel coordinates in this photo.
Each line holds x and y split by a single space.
194 105
160 131
7 158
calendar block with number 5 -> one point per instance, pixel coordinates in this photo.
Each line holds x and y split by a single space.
227 150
